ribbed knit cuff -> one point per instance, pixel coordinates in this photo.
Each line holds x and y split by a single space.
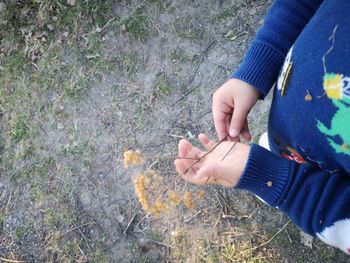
260 67
266 175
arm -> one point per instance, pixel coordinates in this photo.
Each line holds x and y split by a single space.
315 200
283 24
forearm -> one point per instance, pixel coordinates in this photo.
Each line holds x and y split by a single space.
314 199
282 25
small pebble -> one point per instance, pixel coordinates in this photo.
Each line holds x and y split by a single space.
71 2
50 27
2 6
123 28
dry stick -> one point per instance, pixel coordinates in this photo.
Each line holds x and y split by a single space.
77 227
106 25
75 259
84 237
8 203
202 157
160 243
141 220
268 241
229 150
192 217
204 53
168 158
12 261
129 224
222 66
70 230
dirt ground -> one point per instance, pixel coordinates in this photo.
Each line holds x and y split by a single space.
83 81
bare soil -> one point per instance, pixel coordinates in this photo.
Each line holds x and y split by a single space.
65 195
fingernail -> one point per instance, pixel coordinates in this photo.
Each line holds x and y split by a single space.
234 132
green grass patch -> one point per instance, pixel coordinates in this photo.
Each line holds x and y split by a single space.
228 12
85 14
81 150
75 84
137 24
180 55
14 63
162 88
19 232
129 63
39 169
94 43
187 29
75 149
19 128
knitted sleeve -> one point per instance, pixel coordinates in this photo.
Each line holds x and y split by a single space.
282 25
316 200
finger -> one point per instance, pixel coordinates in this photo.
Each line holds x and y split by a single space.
206 142
189 153
237 122
220 111
231 139
228 121
184 147
245 132
180 166
199 177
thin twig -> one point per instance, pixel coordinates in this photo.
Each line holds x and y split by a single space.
70 230
129 224
141 220
168 158
197 161
204 53
202 157
204 114
77 227
155 26
184 96
12 261
107 24
225 155
8 202
229 150
223 66
160 243
84 237
192 217
75 259
268 241
276 234
172 25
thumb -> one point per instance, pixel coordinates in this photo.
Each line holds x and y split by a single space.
237 121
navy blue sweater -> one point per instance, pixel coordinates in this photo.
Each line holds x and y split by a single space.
304 47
